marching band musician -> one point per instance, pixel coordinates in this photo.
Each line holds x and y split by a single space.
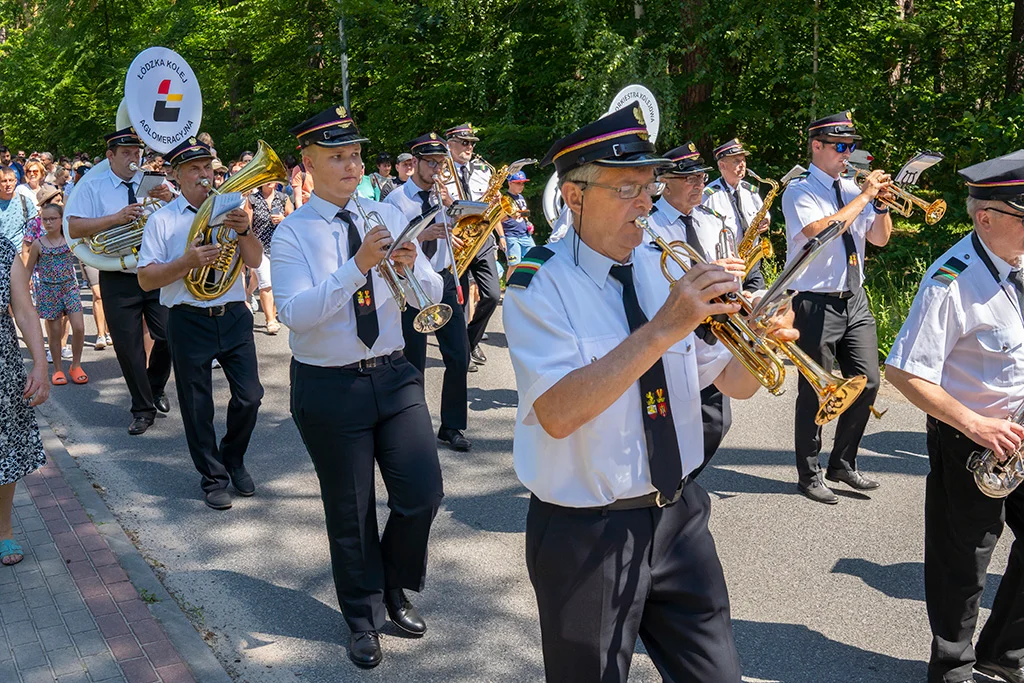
960 358
201 331
608 426
831 307
473 178
736 199
104 204
679 215
414 198
354 397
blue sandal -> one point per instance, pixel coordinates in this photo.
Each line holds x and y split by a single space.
9 548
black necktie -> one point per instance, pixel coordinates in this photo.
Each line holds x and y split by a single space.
852 259
662 443
367 327
131 191
739 209
429 246
691 233
1016 278
464 173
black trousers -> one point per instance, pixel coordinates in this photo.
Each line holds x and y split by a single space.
485 272
602 578
754 280
716 416
348 419
961 527
834 330
453 341
126 305
195 341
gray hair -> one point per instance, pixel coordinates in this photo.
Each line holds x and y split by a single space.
974 205
587 173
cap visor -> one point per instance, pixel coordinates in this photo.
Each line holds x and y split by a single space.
635 160
339 143
689 171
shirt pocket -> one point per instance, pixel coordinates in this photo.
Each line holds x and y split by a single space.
681 367
1001 355
595 348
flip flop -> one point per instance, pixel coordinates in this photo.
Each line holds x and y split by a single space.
78 377
59 378
9 548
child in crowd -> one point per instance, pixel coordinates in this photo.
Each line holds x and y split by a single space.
57 293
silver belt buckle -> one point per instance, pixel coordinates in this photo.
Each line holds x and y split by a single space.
370 363
661 501
217 311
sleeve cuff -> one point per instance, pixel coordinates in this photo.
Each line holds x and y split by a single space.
536 390
916 369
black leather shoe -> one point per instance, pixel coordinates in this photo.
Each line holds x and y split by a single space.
243 481
139 425
472 367
853 479
1003 673
218 499
455 438
364 649
403 614
161 403
477 356
817 491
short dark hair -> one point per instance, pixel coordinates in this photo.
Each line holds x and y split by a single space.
383 158
4 150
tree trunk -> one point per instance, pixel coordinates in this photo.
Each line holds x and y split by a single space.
904 8
1015 58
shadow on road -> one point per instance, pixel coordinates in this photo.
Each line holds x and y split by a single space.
904 580
795 654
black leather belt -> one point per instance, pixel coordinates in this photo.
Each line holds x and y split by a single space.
208 311
371 363
648 501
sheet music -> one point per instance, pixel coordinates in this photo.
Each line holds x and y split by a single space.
224 204
911 172
150 181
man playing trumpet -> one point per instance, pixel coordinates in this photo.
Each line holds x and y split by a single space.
201 331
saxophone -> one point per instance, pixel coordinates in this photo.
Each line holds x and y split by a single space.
998 479
752 248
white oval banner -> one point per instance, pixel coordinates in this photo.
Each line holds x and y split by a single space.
165 104
639 93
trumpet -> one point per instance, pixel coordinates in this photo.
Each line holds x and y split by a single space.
752 350
994 478
902 201
385 269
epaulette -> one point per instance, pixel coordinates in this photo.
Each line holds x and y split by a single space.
949 271
746 186
707 209
803 176
479 164
523 273
710 190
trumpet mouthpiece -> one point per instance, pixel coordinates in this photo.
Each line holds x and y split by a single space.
204 182
133 167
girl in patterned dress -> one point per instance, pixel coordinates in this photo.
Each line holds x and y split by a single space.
21 449
57 293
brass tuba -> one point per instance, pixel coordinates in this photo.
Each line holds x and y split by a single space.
209 282
994 478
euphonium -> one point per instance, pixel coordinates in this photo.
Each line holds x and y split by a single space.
209 282
752 248
994 478
752 350
902 201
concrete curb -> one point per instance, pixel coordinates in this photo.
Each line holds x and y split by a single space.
186 640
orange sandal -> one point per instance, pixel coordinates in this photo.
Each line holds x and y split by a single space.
78 376
59 378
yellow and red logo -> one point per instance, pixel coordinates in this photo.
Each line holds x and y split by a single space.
161 111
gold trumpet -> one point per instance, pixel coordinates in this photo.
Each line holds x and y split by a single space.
752 350
902 201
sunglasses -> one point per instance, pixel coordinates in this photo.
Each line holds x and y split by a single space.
841 147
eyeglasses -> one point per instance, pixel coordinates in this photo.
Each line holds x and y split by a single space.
464 143
630 191
432 163
1018 216
694 179
51 219
841 147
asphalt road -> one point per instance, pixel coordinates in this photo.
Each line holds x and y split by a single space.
820 594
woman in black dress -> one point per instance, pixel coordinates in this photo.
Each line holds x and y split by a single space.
21 449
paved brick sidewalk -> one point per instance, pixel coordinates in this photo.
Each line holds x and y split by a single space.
68 612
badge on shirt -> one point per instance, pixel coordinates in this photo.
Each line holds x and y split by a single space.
949 271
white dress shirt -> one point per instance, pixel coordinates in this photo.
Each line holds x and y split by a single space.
166 239
966 335
668 221
406 199
572 315
315 277
809 199
479 180
718 195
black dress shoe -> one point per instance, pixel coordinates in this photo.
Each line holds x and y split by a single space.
817 491
454 438
218 499
853 479
139 425
243 481
477 356
161 403
472 367
1004 673
403 614
364 649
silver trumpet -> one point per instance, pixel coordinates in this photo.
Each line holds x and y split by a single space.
995 478
385 268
